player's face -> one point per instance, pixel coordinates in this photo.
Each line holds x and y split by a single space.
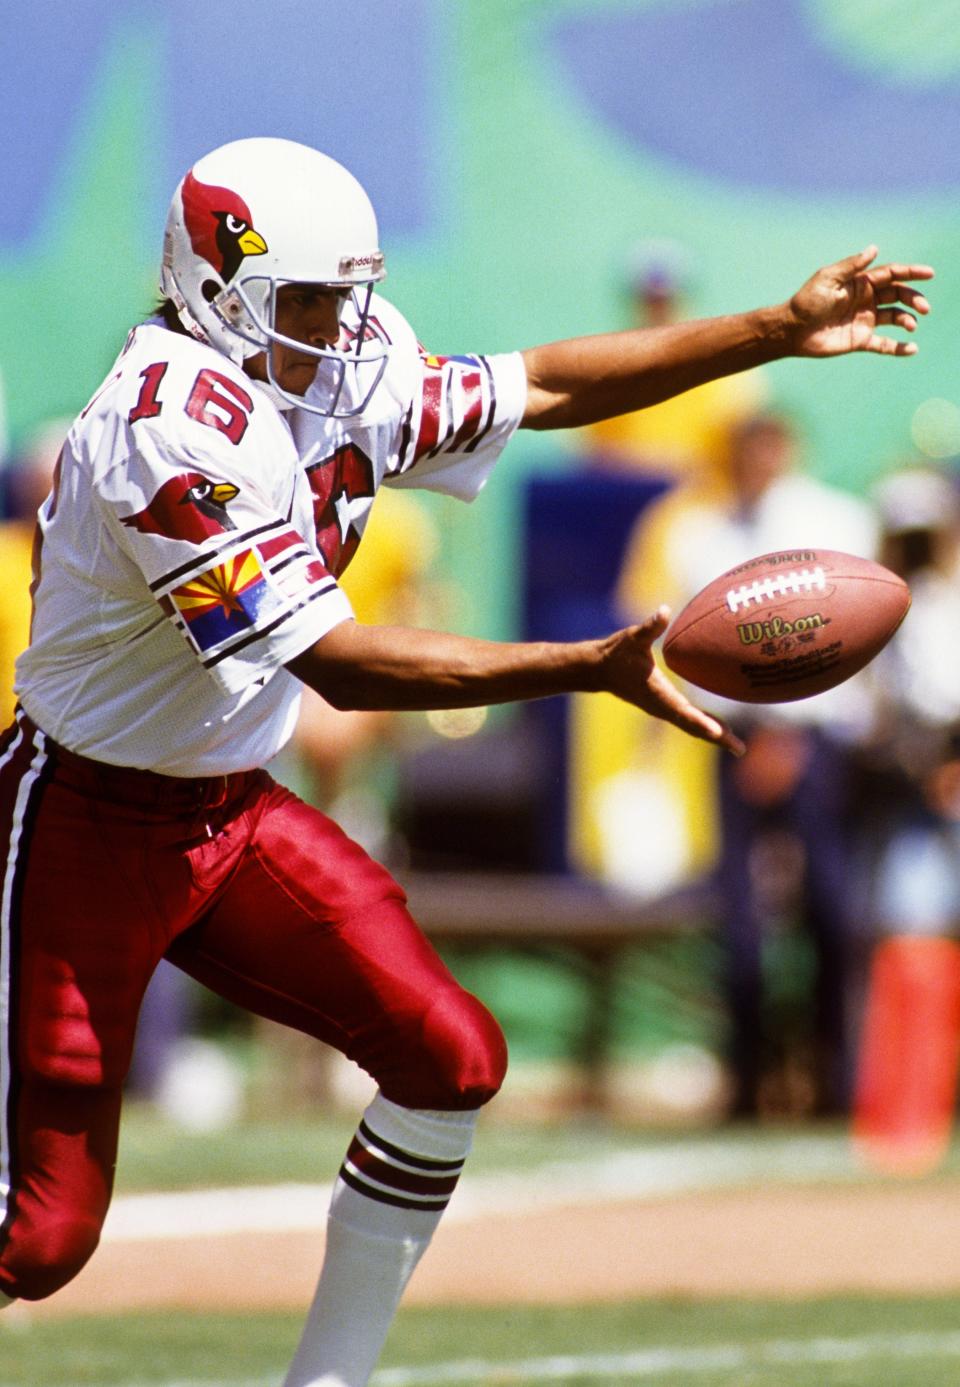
308 313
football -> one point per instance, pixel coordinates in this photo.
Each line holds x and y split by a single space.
786 626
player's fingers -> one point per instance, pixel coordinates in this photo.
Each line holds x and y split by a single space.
669 703
732 743
907 295
902 294
852 265
697 723
886 346
887 274
897 317
728 740
654 626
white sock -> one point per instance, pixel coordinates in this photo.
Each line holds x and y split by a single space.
395 1182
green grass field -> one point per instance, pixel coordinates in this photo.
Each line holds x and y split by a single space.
154 1154
853 1341
844 1343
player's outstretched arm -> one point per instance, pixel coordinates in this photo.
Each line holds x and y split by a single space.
404 668
838 310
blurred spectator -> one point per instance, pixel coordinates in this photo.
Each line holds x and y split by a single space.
27 480
783 809
914 767
905 1100
618 757
687 434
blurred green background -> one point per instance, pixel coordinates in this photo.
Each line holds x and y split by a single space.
515 149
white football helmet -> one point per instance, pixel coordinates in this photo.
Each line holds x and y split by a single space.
258 213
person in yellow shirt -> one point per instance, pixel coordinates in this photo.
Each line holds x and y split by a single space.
687 434
15 544
620 761
28 482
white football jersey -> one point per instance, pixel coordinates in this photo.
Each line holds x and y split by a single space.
434 422
192 541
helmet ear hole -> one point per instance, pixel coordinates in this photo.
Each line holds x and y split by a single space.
210 289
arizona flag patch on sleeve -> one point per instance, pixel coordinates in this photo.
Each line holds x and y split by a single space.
246 610
224 601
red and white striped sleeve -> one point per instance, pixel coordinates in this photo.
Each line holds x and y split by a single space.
463 413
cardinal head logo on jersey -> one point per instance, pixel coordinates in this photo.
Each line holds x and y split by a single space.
220 226
188 507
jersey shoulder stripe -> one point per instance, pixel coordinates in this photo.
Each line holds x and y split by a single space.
213 552
492 381
263 631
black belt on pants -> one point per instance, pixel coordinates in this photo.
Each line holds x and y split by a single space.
148 789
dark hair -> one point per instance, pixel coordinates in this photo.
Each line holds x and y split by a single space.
167 310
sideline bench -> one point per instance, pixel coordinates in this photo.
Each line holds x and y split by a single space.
522 911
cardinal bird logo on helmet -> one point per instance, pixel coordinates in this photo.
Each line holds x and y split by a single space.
188 507
220 226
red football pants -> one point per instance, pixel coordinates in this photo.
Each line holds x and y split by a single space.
262 898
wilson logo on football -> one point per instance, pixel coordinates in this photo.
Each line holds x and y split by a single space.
790 584
757 632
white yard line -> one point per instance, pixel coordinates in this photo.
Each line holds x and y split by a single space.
674 1168
643 1364
654 1362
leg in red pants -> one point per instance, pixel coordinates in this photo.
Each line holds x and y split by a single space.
312 933
255 894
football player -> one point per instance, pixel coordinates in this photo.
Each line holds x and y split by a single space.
205 503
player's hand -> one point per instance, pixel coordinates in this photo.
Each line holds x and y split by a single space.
631 672
839 308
